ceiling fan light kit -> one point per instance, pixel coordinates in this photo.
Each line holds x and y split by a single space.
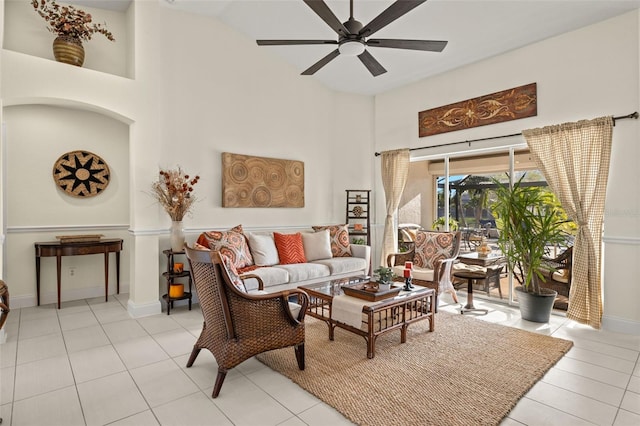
351 48
351 35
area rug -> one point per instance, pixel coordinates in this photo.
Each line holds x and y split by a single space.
466 372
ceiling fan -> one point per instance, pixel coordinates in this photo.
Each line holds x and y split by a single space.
353 36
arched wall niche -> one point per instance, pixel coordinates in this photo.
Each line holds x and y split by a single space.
37 132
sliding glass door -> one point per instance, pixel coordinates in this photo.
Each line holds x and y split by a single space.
464 187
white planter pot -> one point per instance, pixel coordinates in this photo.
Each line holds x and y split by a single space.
384 287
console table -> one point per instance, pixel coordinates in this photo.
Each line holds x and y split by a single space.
58 249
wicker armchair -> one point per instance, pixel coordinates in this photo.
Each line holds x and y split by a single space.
238 325
445 247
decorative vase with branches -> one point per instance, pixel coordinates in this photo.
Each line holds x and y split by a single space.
72 26
174 191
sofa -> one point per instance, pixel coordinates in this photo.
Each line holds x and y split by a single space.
280 261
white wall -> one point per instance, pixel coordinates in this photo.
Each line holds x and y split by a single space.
199 89
24 33
584 74
37 210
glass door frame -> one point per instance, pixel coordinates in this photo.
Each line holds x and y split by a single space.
446 199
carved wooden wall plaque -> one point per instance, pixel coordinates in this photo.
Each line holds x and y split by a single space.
507 105
261 182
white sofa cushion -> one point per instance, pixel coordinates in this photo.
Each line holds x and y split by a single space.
317 245
270 276
304 271
341 265
263 249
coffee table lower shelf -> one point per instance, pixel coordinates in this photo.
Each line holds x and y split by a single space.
378 318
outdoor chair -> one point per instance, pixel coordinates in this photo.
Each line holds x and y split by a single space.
557 276
433 255
238 325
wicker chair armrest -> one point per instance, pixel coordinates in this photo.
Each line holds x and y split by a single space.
244 277
399 258
277 303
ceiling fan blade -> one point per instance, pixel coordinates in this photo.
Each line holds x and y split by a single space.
321 63
372 65
428 45
293 42
390 14
322 10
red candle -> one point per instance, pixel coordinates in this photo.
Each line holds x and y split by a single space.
408 265
407 273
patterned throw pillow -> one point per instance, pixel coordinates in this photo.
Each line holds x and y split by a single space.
231 243
290 248
339 236
431 247
232 272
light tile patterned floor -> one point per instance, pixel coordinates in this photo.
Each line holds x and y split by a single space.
89 363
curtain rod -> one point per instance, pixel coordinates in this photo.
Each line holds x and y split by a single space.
633 115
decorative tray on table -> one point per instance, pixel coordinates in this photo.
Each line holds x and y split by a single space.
79 238
369 291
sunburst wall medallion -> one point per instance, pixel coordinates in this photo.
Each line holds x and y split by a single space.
81 174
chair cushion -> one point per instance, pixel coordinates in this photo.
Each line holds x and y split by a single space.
293 307
561 275
231 243
317 245
417 273
290 248
431 247
339 235
263 249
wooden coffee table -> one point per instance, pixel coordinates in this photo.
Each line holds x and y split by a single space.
378 317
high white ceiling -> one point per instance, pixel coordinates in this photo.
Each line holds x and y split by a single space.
475 29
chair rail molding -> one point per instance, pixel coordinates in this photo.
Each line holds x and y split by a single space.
616 239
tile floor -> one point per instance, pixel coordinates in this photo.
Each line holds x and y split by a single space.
89 363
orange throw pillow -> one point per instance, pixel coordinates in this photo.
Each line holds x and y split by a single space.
290 248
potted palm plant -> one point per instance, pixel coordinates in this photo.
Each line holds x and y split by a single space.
529 223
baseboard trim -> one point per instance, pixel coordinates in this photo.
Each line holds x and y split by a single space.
139 310
46 298
620 325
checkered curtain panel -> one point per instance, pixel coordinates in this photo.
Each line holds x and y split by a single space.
395 170
574 158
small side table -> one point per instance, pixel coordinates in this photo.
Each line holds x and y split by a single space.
171 275
470 276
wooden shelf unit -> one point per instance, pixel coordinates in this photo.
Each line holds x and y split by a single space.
358 215
171 276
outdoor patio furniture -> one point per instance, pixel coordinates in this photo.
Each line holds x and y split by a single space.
557 276
238 325
433 256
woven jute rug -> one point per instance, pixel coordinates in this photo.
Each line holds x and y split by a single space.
466 372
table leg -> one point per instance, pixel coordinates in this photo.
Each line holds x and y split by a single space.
118 272
469 306
59 273
38 278
106 276
169 302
